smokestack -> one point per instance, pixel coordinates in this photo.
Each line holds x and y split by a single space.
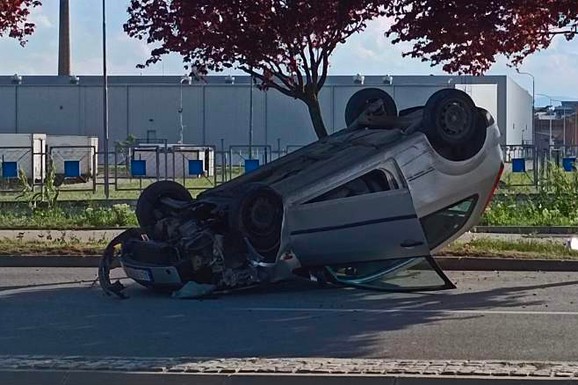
64 39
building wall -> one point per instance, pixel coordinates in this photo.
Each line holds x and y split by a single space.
519 117
216 113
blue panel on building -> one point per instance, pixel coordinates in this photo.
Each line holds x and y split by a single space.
138 167
10 169
196 167
71 168
568 164
251 165
518 165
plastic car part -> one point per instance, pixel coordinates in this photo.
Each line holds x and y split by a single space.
455 127
362 99
150 207
257 216
107 263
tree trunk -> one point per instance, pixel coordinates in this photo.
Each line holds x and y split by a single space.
316 117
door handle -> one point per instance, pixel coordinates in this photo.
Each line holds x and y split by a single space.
410 243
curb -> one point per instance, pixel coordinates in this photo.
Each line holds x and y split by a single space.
304 371
446 263
543 230
52 377
49 261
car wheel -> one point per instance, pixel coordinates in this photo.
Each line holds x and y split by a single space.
453 124
450 117
149 208
363 98
258 216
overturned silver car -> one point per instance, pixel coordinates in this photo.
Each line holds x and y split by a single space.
364 207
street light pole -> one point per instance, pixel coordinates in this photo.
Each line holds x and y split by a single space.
251 117
184 80
105 103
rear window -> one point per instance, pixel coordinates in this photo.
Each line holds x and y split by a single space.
441 225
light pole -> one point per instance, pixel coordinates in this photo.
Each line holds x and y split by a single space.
251 117
533 103
184 80
105 103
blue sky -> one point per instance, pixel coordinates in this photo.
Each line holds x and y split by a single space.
369 53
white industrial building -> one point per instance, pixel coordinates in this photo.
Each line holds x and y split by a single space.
221 112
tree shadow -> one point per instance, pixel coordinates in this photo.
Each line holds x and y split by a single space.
290 319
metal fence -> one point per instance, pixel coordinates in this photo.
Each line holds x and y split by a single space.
77 169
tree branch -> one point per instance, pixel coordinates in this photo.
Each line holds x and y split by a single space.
274 85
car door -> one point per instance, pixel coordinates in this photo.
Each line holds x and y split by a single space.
369 218
371 239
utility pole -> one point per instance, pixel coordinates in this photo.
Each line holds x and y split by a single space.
105 103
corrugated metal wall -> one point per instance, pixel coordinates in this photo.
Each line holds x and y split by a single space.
213 112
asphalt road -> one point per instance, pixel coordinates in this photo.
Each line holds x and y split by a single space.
492 315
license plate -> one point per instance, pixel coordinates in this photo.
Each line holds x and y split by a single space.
138 274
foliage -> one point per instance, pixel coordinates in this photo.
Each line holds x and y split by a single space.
69 217
285 45
47 197
466 36
554 204
120 215
14 18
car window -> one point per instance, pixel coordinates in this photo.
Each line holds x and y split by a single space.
374 181
384 179
405 274
444 223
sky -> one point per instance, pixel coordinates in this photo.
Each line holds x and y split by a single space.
369 53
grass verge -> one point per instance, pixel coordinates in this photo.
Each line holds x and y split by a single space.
518 249
15 247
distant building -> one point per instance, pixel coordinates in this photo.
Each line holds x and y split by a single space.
217 112
561 121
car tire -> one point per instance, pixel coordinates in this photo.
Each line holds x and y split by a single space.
363 98
453 124
149 210
258 216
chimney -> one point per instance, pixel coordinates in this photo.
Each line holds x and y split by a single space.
64 39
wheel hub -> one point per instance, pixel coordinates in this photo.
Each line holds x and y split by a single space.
454 120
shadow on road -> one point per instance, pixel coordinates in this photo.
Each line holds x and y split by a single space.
303 320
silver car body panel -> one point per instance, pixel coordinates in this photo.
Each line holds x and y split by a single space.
428 183
359 228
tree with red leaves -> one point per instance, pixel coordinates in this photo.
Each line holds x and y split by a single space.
14 18
283 44
466 36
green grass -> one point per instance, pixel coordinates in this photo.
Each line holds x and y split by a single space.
524 249
68 218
